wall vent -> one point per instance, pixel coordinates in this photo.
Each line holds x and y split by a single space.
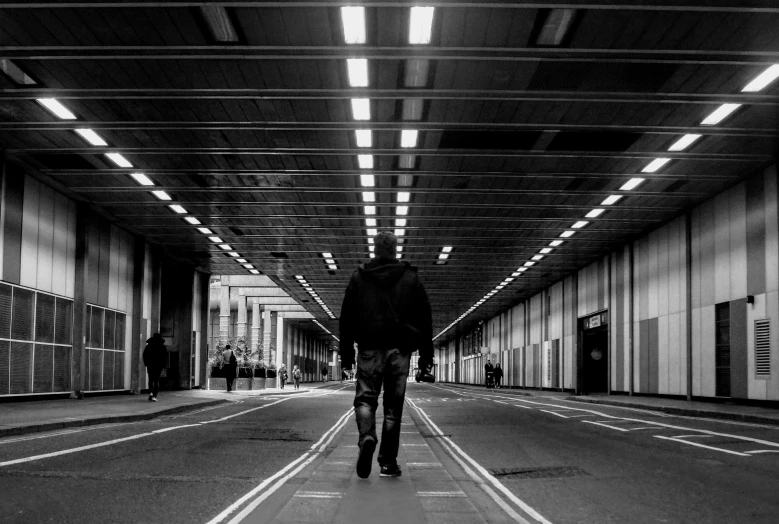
763 348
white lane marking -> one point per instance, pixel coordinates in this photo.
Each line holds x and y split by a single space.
553 413
283 475
604 425
440 494
645 427
696 444
690 436
414 445
582 415
425 464
35 437
318 495
460 456
656 424
339 463
764 451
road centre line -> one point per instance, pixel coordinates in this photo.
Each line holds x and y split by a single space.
460 457
658 424
288 472
553 413
763 451
604 425
699 445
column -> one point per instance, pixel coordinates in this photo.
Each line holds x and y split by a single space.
224 314
242 320
280 342
273 355
266 339
256 339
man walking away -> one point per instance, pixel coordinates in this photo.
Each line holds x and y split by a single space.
230 366
387 313
282 376
296 376
324 373
488 377
498 373
155 357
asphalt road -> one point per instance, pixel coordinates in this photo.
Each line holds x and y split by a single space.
570 462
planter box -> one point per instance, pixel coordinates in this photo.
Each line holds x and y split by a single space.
243 384
217 384
259 383
270 383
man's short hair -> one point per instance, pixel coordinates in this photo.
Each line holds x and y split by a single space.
385 244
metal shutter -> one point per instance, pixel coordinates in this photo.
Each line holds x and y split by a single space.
96 327
5 310
108 369
763 348
95 369
43 369
44 318
21 367
64 322
121 331
23 314
109 326
62 367
5 366
118 370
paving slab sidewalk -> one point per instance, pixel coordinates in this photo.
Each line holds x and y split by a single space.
694 408
31 416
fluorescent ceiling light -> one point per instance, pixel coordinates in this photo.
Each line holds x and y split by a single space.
631 184
400 232
358 71
178 209
508 279
119 160
371 248
567 234
372 255
233 254
14 73
595 213
361 109
205 230
241 260
254 272
370 210
408 138
401 210
329 261
555 27
364 137
162 195
500 286
447 249
332 266
404 196
226 247
373 232
684 142
192 220
719 114
142 179
353 20
546 250
248 266
367 180
58 109
522 269
327 255
515 274
368 196
655 164
399 249
299 277
762 80
365 161
370 222
219 23
538 257
91 137
579 224
399 255
400 222
421 26
215 240
613 199
529 263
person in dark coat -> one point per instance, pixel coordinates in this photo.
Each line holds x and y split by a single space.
498 374
230 366
489 375
155 357
324 373
386 311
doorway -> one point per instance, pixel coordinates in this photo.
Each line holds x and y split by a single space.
595 345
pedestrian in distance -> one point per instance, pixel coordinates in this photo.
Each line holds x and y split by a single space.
230 366
324 373
282 376
155 358
387 313
488 374
498 374
296 376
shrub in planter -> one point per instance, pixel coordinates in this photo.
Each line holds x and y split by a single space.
259 371
245 373
271 371
217 372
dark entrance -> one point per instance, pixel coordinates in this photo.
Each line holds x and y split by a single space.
595 352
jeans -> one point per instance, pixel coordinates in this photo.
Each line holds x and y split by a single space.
377 367
154 383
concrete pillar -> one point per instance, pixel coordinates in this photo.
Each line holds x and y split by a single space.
224 314
273 356
289 342
279 341
266 338
256 327
242 320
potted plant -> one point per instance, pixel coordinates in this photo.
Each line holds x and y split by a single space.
270 374
216 377
259 375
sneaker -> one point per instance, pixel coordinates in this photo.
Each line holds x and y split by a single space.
151 398
154 399
365 458
390 470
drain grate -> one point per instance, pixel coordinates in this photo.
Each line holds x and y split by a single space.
539 473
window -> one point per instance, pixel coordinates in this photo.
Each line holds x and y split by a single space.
35 341
106 348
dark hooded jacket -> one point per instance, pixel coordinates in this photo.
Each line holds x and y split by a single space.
385 307
155 356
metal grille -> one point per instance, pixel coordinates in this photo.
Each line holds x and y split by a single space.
5 363
64 321
22 314
61 380
109 334
5 310
96 327
44 318
95 369
763 347
43 367
118 370
21 367
108 369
